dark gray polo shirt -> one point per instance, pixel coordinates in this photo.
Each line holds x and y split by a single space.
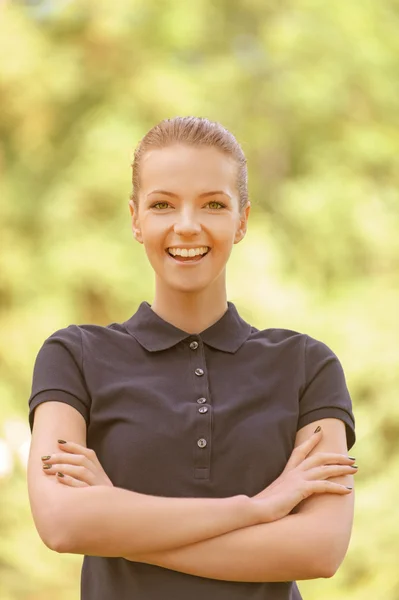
179 415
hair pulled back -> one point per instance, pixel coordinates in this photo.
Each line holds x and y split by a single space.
191 131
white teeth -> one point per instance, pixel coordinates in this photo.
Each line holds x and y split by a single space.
185 252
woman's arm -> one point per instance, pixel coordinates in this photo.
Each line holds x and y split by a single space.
337 510
292 548
309 544
114 522
315 546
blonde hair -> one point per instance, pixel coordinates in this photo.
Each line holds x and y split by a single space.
192 131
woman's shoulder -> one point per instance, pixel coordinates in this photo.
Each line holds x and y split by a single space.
97 330
277 334
77 336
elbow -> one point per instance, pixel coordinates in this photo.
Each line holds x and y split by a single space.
331 549
59 543
319 568
327 570
330 561
56 533
49 532
316 568
52 538
326 552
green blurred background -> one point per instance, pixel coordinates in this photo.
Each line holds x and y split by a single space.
311 91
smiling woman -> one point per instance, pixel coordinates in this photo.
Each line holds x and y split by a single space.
217 459
201 170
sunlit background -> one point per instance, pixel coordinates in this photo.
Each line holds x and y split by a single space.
311 91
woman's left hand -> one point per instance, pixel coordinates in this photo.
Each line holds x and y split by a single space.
78 465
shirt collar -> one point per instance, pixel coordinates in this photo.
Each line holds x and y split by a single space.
154 333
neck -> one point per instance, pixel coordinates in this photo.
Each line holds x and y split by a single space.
192 312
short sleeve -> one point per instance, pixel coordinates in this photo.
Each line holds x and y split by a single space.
325 393
58 373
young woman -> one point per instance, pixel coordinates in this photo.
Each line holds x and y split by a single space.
200 457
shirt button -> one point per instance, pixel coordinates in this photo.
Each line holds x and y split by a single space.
201 443
203 409
194 345
199 372
201 400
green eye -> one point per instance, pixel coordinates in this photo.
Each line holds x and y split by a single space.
158 203
166 205
215 202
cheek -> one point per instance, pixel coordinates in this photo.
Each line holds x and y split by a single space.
153 234
224 234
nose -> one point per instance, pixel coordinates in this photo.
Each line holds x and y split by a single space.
187 223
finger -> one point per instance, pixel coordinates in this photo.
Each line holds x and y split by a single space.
71 481
327 458
74 459
67 458
77 472
300 452
327 471
74 448
65 461
326 487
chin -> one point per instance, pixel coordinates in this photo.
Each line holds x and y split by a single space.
188 287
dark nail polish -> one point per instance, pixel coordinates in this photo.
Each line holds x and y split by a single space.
61 441
46 466
348 488
354 466
317 429
352 457
46 457
60 475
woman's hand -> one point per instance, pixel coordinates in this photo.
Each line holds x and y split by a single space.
303 477
76 466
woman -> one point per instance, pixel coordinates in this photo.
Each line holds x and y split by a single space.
216 460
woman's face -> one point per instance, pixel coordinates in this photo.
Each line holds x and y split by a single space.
178 208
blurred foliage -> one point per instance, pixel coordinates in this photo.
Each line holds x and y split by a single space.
310 89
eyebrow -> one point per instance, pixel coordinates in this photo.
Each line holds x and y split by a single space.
200 195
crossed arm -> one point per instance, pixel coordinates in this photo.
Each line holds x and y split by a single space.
307 544
285 550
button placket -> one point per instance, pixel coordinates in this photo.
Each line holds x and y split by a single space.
202 441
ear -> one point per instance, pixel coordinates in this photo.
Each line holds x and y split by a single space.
242 228
135 222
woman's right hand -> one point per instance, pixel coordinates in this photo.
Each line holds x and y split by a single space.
301 478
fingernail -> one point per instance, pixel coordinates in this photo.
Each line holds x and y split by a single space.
46 466
60 474
352 457
61 441
348 488
46 457
354 466
317 430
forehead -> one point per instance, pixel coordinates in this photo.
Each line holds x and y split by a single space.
180 166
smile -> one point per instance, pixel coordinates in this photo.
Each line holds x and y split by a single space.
187 260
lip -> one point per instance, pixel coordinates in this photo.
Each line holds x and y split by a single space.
187 263
188 247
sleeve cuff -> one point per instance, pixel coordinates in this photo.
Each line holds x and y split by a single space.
330 412
57 396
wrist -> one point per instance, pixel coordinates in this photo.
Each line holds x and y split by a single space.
262 509
252 509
